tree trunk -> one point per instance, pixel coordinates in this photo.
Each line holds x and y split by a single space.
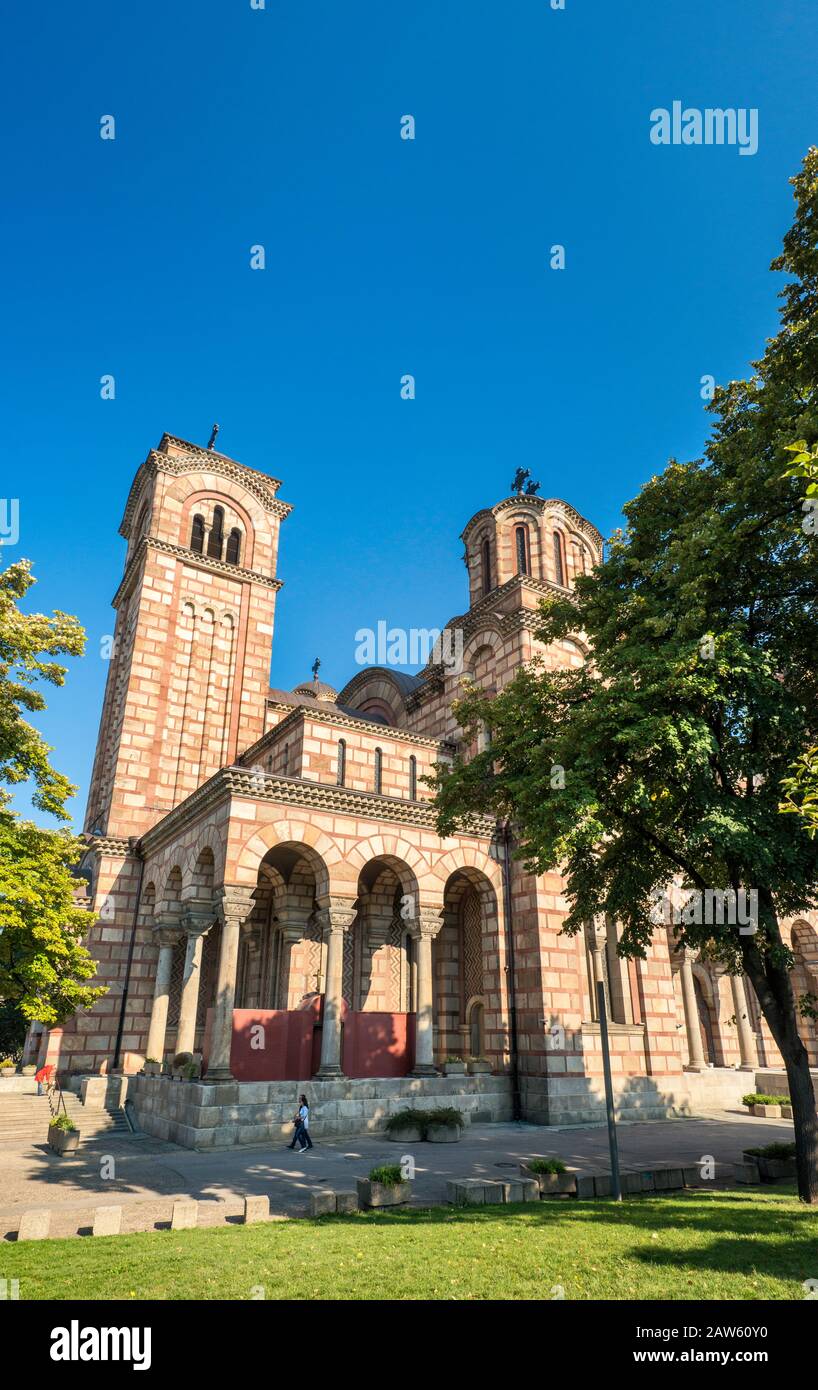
773 986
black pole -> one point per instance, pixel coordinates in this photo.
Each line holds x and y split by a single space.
135 849
516 1106
616 1187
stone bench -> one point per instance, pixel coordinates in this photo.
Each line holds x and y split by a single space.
329 1203
479 1192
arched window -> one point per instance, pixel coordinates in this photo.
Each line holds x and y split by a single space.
197 535
285 759
378 770
216 539
485 551
342 761
233 546
413 778
521 544
559 559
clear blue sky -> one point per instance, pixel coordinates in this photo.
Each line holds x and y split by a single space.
282 127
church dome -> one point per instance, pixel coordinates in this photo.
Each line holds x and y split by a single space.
318 690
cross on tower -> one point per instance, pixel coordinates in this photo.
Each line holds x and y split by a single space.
315 668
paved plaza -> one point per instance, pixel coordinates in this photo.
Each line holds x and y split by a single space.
144 1175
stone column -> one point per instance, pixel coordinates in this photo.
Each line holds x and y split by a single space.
336 919
165 934
695 1051
196 925
291 929
424 931
746 1039
235 908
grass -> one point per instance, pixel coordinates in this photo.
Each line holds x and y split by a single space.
718 1245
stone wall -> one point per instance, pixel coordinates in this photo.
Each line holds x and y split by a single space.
201 1116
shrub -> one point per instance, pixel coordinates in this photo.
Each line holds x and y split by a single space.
182 1059
758 1098
407 1119
773 1151
388 1175
446 1115
421 1119
62 1121
546 1165
6 1062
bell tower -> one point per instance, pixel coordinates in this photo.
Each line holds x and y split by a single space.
190 657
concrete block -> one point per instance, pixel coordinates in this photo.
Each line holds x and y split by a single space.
667 1178
34 1225
346 1201
747 1172
107 1221
767 1112
585 1185
513 1190
256 1209
470 1192
322 1203
94 1092
185 1214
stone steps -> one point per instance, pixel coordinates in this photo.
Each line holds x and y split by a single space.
27 1117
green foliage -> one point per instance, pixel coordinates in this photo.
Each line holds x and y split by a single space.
12 1028
28 642
388 1175
43 964
546 1165
421 1119
63 1122
758 1098
783 1151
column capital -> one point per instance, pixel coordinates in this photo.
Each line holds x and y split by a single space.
427 923
337 914
234 903
167 928
197 921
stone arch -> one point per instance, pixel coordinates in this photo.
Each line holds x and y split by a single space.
322 851
188 491
466 963
170 900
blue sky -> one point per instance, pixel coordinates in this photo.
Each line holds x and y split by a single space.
281 126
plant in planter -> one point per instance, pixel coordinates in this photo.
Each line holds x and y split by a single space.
7 1067
454 1066
551 1176
765 1106
479 1066
385 1187
182 1063
775 1161
63 1135
444 1125
29 1070
152 1067
406 1126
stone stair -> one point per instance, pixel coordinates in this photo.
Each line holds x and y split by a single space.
26 1117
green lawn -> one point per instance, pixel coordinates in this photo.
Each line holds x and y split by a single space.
738 1245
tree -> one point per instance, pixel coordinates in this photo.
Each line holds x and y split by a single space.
43 964
801 787
675 743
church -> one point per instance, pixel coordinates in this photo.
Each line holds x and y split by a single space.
266 888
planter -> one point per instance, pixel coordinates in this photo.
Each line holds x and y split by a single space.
776 1169
63 1141
375 1194
767 1112
454 1068
152 1069
551 1184
443 1134
479 1068
29 1070
8 1071
410 1135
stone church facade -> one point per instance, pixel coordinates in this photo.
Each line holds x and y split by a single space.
266 887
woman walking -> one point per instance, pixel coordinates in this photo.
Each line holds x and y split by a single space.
302 1134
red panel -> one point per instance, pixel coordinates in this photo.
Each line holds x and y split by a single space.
285 1045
